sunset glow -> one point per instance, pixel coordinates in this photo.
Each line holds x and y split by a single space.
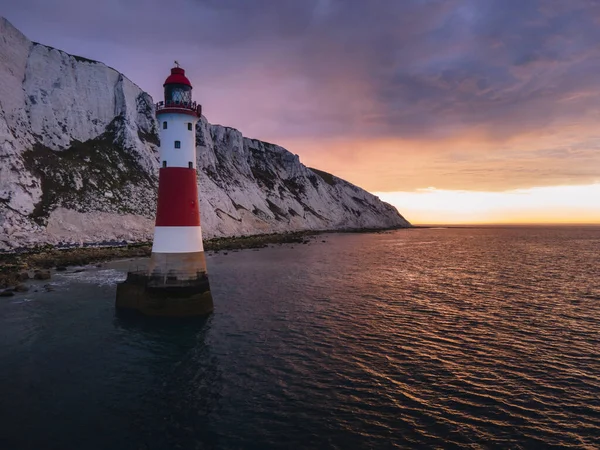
557 204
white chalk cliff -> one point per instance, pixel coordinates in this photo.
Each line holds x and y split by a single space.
79 162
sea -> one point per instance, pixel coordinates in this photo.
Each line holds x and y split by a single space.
434 338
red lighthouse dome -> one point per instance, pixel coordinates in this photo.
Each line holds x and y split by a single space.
177 77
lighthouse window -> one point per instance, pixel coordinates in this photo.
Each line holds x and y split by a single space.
164 125
178 94
190 165
164 164
189 126
177 144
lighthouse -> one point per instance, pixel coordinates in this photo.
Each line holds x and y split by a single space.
176 281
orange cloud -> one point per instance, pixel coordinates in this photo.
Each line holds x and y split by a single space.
469 162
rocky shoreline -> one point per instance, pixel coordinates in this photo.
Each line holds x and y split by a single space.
36 263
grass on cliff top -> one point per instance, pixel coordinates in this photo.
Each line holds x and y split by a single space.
327 177
77 57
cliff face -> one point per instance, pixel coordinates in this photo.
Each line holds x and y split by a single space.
79 162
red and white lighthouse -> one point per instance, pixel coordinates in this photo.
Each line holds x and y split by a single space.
176 283
177 246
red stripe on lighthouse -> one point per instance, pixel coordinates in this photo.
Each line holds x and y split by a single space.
177 198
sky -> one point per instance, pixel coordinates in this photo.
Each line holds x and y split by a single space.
454 111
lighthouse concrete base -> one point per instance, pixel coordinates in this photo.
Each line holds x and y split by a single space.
167 298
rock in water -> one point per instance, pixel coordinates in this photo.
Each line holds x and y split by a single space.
23 276
41 275
78 142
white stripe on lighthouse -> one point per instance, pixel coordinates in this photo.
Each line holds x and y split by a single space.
177 240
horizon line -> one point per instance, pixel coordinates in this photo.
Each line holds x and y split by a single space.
508 224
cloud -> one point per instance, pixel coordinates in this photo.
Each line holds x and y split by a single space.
509 85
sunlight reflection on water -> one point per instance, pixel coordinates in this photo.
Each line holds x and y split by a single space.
465 337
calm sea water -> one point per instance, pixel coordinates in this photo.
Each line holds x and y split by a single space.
433 338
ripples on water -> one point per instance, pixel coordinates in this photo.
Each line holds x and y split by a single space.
471 338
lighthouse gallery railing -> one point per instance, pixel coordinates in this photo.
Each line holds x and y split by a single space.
191 106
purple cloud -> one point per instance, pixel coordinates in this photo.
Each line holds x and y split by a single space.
290 70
